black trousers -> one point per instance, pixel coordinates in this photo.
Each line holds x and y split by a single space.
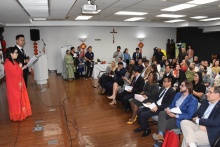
89 69
25 75
124 97
143 115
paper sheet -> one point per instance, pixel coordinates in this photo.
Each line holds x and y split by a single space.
139 97
176 110
32 61
151 106
128 88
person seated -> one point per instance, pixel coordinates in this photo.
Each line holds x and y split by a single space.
216 67
184 65
117 77
167 74
162 100
137 84
146 69
179 77
108 76
199 88
186 102
116 88
120 60
140 66
153 68
149 92
190 73
204 128
132 63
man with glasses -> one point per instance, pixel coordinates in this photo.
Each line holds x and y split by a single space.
162 100
186 102
204 128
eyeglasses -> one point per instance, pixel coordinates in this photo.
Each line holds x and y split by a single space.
210 92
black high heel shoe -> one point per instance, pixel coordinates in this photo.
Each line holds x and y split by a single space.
96 86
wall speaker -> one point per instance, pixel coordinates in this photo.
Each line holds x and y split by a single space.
35 34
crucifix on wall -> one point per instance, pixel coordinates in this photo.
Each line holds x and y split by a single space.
113 33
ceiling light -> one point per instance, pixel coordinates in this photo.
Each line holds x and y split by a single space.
39 19
95 12
36 8
83 17
175 20
179 7
134 19
210 19
170 15
200 2
130 13
199 17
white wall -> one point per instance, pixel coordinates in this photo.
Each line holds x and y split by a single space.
57 37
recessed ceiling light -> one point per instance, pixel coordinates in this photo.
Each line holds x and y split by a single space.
35 8
130 13
83 17
170 15
210 19
200 2
39 19
175 20
134 19
199 17
96 12
179 7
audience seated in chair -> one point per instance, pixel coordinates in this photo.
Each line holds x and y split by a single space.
149 92
204 129
137 84
162 100
186 102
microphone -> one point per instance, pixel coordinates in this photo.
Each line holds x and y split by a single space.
44 42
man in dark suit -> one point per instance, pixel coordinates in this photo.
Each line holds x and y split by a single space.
187 104
204 128
137 83
137 55
167 74
162 100
22 58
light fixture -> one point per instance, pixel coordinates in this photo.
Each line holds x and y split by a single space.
39 19
179 7
170 15
175 20
210 19
80 17
199 17
130 13
36 8
82 39
201 2
95 12
134 19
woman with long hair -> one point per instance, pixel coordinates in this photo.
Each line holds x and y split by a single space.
198 86
69 63
127 56
18 100
127 81
149 93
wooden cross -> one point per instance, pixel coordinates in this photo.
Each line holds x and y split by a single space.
113 32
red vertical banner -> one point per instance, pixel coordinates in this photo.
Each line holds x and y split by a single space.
35 48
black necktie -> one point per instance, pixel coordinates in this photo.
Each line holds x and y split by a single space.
133 82
162 93
22 51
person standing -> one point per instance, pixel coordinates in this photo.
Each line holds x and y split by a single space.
118 54
89 57
68 59
22 58
18 100
127 56
137 55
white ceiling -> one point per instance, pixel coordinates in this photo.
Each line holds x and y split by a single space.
12 13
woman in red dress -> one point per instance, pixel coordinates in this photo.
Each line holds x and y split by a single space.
18 100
